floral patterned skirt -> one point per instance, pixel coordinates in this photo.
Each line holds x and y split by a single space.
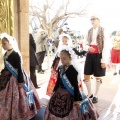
13 102
60 107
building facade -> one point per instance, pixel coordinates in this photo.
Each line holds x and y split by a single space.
14 20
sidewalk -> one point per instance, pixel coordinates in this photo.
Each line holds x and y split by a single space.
108 106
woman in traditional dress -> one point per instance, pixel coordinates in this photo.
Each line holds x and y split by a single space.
67 102
115 52
18 97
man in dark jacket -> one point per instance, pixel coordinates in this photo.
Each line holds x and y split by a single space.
33 60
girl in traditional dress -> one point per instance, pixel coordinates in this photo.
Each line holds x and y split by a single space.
65 41
67 102
18 98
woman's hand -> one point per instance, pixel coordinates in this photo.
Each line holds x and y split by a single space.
91 49
103 65
20 85
77 103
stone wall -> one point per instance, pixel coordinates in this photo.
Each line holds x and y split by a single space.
6 22
21 29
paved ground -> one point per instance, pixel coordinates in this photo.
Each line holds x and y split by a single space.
109 96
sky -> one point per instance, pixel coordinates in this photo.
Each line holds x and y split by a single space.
107 10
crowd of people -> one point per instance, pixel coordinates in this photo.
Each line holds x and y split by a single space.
18 96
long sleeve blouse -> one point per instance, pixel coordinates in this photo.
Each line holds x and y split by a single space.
71 74
15 60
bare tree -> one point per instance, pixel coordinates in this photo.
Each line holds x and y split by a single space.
51 18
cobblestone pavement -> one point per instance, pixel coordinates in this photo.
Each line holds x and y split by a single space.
109 96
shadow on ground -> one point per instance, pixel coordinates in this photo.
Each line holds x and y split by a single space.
40 114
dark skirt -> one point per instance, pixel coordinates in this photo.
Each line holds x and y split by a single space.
61 103
60 107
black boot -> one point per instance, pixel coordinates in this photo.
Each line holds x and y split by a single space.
91 96
114 73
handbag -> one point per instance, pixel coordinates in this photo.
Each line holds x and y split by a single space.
52 82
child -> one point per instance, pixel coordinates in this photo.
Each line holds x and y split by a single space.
67 102
18 97
65 41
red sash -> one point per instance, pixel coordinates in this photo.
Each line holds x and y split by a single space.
96 49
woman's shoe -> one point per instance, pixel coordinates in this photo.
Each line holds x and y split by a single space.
37 87
114 73
95 100
91 96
